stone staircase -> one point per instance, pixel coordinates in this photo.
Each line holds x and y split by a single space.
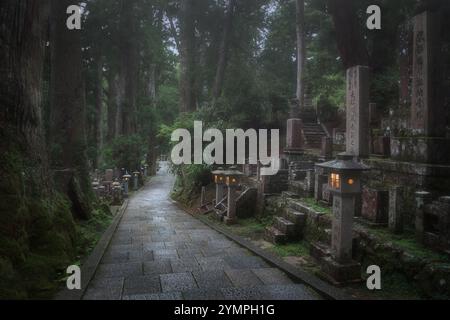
312 130
288 227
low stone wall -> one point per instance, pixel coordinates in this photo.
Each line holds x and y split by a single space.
421 149
430 271
412 177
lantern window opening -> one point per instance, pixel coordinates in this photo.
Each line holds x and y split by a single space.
335 181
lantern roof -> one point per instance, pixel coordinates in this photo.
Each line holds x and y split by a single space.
218 171
233 172
344 162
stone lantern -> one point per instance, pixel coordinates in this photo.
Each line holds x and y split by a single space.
345 184
95 187
232 180
117 193
126 179
136 180
146 170
219 180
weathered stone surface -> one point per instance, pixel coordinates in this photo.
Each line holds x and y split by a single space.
274 184
427 108
396 206
421 150
141 285
358 111
243 278
327 148
375 205
295 139
212 279
342 228
272 276
177 282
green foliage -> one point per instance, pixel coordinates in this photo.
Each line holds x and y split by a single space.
313 204
89 232
190 179
125 152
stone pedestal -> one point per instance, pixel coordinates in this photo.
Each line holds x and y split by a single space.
341 273
423 198
203 197
342 232
295 139
220 192
358 111
231 213
126 188
320 180
396 204
327 149
135 181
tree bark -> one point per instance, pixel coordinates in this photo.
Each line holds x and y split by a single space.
350 41
301 52
223 51
187 54
129 67
22 29
68 114
98 121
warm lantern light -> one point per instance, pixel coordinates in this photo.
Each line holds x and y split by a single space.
335 181
232 177
351 182
218 176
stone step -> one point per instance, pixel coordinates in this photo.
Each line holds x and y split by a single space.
296 217
289 195
285 226
275 236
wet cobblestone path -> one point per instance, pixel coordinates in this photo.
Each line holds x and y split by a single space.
159 252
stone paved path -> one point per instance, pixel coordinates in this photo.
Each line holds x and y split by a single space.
159 252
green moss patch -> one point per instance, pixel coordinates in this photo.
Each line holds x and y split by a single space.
298 249
313 204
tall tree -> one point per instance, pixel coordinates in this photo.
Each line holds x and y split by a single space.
21 73
349 36
187 56
36 231
223 50
301 52
68 111
129 66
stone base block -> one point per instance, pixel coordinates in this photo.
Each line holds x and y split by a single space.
319 251
275 236
229 221
340 274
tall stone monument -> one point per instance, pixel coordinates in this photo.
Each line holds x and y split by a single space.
358 111
425 107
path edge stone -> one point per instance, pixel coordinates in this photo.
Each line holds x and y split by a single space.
326 290
90 265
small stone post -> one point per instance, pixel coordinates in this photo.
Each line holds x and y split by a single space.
135 180
231 215
396 203
203 197
422 199
126 180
